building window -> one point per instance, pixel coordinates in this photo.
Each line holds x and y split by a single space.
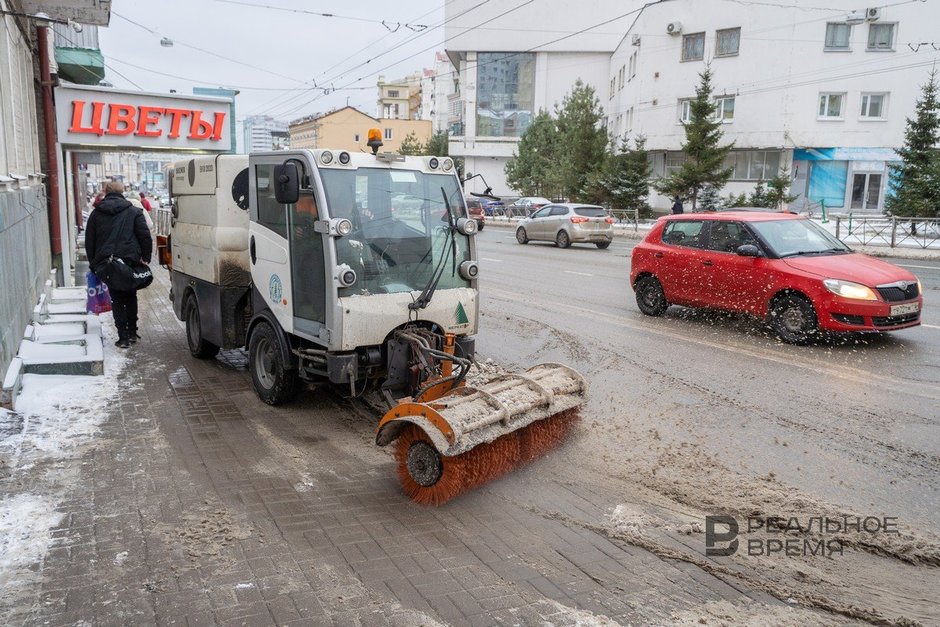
632 67
873 106
388 133
630 120
505 93
837 36
693 47
727 42
881 36
685 110
753 165
673 163
357 138
393 93
724 109
613 87
620 77
830 106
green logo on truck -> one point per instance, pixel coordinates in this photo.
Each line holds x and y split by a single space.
460 315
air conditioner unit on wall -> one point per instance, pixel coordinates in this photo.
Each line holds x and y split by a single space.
674 28
872 14
635 40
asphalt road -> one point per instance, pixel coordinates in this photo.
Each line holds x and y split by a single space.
711 410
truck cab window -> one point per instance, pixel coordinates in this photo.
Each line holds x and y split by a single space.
270 213
307 271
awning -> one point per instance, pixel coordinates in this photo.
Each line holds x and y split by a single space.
80 65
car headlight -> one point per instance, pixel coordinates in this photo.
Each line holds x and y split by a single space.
849 289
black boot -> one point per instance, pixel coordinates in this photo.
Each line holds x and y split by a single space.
123 340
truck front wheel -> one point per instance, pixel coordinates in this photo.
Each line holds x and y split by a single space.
274 382
198 346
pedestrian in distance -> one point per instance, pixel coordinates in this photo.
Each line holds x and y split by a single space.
677 205
117 228
145 202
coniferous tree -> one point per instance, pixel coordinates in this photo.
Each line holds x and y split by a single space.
709 199
914 187
437 144
758 197
582 142
778 190
533 170
704 158
411 145
627 178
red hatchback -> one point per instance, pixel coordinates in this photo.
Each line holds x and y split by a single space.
776 266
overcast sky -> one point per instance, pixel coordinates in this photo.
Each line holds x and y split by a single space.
286 48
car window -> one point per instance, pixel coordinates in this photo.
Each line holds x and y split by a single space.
541 213
474 204
590 212
559 210
684 233
725 237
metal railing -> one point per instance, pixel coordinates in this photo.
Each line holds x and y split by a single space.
627 217
163 220
889 231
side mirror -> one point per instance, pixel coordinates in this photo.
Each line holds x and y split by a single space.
286 183
748 250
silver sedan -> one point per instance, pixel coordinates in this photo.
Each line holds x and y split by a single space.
567 223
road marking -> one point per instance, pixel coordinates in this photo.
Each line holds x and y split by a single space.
929 326
578 273
489 259
908 265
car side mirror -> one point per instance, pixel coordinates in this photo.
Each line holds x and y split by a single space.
748 250
286 183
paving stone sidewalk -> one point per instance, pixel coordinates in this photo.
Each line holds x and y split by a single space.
199 505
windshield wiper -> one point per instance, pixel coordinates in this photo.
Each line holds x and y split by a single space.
424 299
815 252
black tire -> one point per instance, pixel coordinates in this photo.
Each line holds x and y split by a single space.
198 346
793 319
274 382
480 226
650 297
562 240
521 236
602 245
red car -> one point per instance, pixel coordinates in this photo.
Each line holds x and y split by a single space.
777 266
476 211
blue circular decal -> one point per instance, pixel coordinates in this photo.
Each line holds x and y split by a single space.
275 289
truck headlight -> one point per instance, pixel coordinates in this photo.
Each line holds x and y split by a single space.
850 289
469 270
340 227
466 226
345 276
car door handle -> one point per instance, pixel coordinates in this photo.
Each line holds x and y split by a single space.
658 255
707 262
251 250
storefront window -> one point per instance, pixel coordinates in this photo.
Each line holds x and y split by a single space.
505 93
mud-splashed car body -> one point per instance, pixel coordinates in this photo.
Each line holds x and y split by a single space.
777 266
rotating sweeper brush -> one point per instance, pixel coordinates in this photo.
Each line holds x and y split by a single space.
468 435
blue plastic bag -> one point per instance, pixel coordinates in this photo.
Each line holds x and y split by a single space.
99 300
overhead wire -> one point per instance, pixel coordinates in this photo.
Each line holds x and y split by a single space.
333 15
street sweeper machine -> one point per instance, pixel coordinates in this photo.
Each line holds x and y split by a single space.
358 270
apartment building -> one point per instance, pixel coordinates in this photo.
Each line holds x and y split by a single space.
348 128
823 90
262 132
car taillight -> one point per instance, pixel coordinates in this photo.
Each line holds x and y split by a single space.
578 219
609 220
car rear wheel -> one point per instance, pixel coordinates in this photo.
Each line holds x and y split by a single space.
521 236
562 240
793 319
650 297
602 245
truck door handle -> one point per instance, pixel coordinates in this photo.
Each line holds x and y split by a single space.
658 255
707 262
251 250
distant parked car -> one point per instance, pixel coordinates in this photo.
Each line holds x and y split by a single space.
777 266
492 207
567 223
527 205
475 210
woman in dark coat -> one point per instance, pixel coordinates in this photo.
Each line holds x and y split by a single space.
133 244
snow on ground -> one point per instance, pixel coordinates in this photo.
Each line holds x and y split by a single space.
60 414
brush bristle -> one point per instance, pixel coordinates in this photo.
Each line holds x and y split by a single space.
482 463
